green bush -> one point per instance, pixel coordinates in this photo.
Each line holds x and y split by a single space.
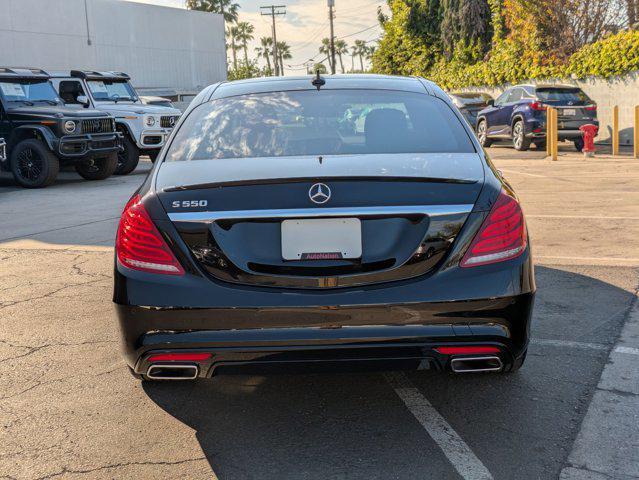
509 62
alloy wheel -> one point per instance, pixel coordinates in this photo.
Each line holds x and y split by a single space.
30 164
518 135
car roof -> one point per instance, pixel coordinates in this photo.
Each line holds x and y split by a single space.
359 81
546 85
90 75
23 73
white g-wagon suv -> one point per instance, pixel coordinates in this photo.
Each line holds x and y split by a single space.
145 127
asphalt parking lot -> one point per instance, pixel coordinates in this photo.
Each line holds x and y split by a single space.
70 409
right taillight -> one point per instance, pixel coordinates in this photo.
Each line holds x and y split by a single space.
501 237
538 106
591 108
139 244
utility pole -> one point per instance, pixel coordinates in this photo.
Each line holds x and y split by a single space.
331 4
272 11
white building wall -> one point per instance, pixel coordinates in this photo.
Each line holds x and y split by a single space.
159 47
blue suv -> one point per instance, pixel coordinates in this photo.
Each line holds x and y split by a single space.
519 115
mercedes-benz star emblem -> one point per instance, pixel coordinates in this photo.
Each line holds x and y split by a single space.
319 193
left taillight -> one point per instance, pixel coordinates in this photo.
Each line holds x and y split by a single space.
139 244
540 107
501 237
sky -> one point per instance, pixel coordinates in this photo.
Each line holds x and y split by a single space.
305 24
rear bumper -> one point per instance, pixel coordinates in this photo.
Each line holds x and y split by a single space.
379 337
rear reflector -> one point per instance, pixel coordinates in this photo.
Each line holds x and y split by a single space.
469 350
180 357
501 237
140 246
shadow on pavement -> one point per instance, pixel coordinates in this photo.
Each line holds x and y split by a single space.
354 425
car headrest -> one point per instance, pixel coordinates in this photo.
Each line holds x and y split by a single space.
382 125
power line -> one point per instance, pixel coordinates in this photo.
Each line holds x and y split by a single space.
361 31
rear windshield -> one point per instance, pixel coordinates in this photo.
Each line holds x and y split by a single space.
574 95
328 122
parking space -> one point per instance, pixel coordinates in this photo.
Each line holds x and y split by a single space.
69 408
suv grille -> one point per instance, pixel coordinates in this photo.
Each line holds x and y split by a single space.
168 121
97 125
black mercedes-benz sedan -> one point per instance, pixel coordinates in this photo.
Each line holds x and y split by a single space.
312 223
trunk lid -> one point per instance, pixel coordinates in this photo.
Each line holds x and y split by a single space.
230 213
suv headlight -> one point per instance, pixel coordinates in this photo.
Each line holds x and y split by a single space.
69 126
149 121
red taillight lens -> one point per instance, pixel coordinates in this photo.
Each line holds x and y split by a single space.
140 246
538 106
180 357
470 350
501 237
591 108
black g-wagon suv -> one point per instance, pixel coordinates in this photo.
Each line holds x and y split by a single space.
41 133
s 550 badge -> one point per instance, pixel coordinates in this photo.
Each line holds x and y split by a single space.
189 203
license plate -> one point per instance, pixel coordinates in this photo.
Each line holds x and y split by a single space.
321 239
570 112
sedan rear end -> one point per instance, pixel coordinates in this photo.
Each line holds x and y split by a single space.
280 232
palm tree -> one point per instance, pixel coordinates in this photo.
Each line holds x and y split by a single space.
325 49
244 35
283 53
227 8
341 48
264 50
360 45
232 32
353 54
369 52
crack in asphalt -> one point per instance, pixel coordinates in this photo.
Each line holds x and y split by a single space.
37 348
67 470
50 294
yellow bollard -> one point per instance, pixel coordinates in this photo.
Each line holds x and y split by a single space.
549 131
615 130
636 133
555 134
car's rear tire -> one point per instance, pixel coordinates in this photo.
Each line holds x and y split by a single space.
128 158
33 165
482 134
520 141
97 168
579 144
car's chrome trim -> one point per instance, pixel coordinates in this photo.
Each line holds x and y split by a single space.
387 211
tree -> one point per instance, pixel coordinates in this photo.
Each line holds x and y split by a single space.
232 32
360 45
227 8
318 67
341 48
466 28
265 50
244 35
283 53
325 49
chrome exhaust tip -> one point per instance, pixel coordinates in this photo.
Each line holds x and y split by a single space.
476 364
172 372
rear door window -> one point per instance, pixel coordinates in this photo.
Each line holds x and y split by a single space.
328 122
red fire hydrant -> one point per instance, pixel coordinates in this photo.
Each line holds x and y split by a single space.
589 133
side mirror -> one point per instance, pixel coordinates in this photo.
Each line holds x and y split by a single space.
82 99
490 103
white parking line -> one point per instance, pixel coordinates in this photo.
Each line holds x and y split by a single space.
628 350
458 453
567 344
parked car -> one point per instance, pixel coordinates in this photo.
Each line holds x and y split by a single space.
519 114
159 101
470 104
145 128
41 133
265 238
